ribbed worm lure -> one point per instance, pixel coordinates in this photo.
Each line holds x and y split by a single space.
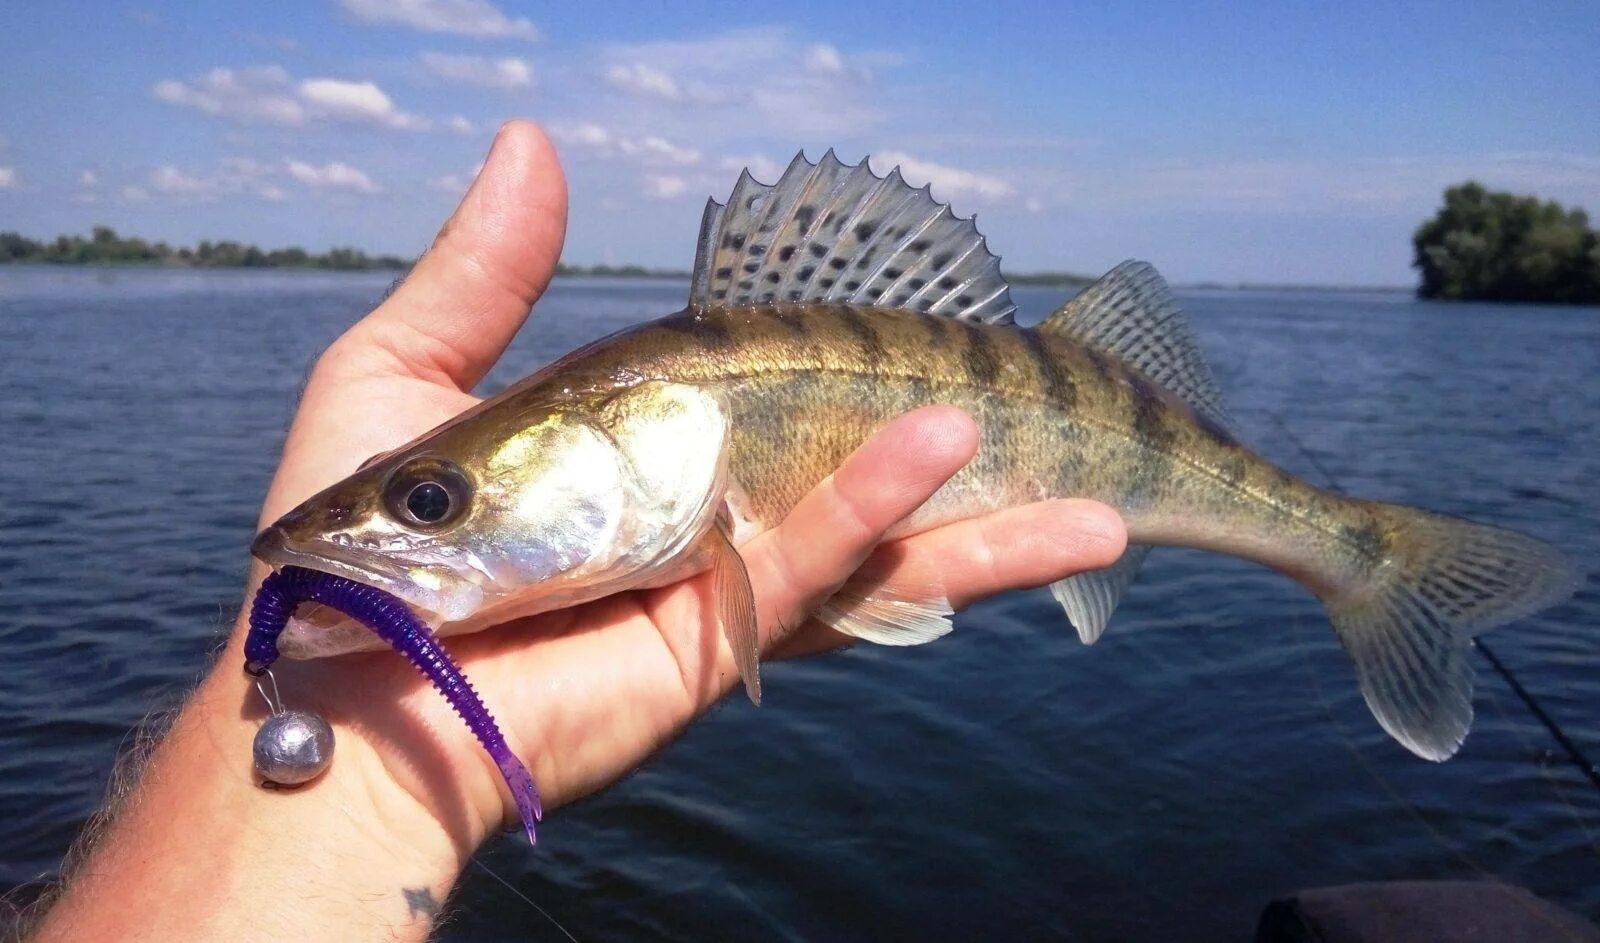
393 622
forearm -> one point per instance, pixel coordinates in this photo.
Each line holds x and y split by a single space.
199 851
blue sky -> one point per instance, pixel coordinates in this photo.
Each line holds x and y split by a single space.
1275 142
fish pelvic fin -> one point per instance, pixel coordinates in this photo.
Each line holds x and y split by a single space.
884 619
1131 314
1440 582
833 232
736 608
1090 598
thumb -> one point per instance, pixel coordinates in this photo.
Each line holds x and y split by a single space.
466 297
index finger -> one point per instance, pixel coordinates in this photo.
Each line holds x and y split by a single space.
838 523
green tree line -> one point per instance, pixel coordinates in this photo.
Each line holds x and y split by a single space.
1492 246
105 247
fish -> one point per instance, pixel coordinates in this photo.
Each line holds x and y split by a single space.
821 307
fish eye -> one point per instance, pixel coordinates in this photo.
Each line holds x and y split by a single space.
428 502
427 493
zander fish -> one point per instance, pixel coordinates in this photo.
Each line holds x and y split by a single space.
822 307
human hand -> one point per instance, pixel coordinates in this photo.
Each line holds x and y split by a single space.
584 694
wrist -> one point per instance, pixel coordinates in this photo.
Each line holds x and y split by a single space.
198 850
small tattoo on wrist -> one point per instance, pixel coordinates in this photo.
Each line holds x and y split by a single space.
420 901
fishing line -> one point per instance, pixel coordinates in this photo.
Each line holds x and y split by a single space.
526 899
1556 786
1571 748
1456 851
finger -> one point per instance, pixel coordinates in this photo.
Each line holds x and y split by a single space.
837 525
466 297
1018 548
964 562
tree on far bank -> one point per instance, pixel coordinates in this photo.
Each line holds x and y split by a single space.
1494 246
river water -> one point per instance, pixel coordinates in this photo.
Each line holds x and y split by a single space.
1209 754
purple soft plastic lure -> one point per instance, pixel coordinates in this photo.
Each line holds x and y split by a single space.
386 615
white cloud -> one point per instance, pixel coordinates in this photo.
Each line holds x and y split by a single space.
333 176
648 151
654 150
357 101
267 93
948 182
586 135
460 125
461 17
761 167
1403 186
169 179
88 179
451 183
233 176
664 187
8 177
764 80
641 79
259 93
824 58
508 73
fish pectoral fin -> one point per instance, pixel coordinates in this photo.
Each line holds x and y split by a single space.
736 608
885 620
1090 598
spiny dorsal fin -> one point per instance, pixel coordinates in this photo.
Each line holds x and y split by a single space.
832 232
1131 314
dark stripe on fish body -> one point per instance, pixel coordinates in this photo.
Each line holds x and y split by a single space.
979 356
999 435
860 328
1366 537
794 319
710 330
1099 361
1058 385
1219 433
1150 426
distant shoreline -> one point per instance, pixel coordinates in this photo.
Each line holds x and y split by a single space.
1032 280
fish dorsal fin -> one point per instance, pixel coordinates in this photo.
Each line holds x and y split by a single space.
837 233
1130 313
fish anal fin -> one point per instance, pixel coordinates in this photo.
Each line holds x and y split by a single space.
736 608
1090 598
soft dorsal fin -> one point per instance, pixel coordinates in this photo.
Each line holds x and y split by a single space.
832 232
1130 313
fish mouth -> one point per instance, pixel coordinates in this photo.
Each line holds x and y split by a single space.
444 598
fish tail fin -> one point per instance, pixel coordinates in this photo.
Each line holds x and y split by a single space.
1407 624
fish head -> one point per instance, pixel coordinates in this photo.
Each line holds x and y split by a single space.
514 508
